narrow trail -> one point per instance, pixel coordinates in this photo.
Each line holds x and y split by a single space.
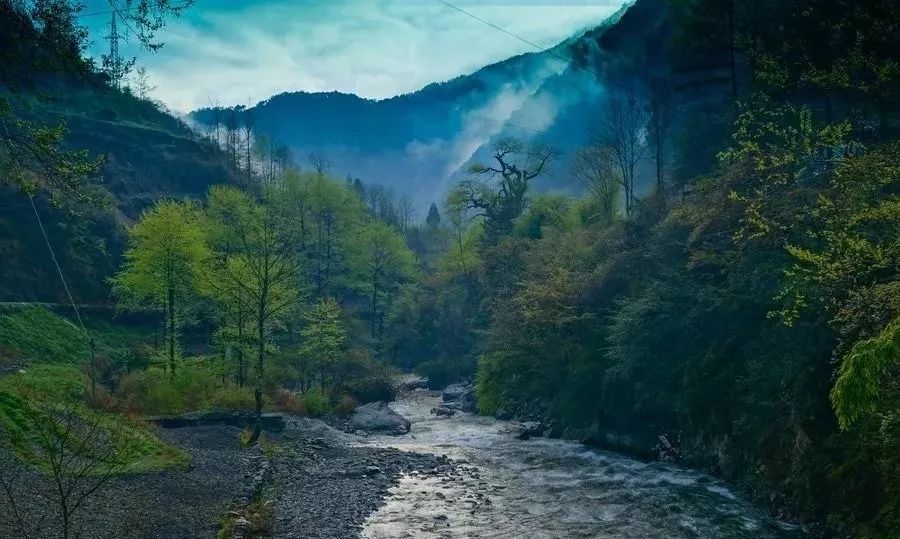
545 488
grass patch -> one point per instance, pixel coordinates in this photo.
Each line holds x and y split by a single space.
61 386
39 335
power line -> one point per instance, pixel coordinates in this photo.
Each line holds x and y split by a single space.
550 52
56 263
126 10
495 27
112 4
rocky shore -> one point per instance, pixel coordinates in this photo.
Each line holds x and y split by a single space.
317 481
325 483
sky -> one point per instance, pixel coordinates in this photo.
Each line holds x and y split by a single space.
244 51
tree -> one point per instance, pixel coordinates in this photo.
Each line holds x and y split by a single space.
594 166
254 264
232 130
79 449
515 166
456 207
323 339
384 262
248 122
142 85
166 251
660 117
433 220
319 162
624 135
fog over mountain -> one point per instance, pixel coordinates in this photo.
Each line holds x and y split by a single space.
419 143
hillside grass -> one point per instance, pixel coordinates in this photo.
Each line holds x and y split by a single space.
25 396
38 335
54 354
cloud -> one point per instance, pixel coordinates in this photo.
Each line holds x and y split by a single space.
239 52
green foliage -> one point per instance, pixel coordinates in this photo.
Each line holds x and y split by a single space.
36 334
323 339
489 388
167 250
316 401
197 385
863 372
48 387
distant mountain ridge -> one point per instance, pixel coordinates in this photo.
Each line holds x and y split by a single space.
418 143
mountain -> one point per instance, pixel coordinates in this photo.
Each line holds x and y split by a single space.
149 155
417 143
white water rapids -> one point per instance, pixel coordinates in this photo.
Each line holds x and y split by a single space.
544 488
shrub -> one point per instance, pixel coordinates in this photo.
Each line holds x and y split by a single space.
150 392
346 405
101 399
489 383
231 398
290 401
316 402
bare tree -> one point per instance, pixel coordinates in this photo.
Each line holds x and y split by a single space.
142 84
248 124
625 135
595 166
319 161
515 165
217 118
232 127
79 448
405 213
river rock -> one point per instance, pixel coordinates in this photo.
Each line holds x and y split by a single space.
460 397
443 411
525 430
411 383
378 417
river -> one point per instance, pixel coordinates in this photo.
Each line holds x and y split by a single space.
543 488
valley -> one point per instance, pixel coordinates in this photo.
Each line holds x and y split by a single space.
622 270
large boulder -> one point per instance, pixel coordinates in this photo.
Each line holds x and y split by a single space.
377 417
460 397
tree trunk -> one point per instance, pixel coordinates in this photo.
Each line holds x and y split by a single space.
171 304
257 391
374 302
240 351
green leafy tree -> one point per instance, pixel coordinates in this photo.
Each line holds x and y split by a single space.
254 265
322 338
162 264
382 263
502 198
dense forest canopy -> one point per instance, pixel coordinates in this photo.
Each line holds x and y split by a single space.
747 301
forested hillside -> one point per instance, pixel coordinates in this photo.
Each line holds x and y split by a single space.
142 154
747 303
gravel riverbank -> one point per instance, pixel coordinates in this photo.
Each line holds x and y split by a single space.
324 484
174 503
